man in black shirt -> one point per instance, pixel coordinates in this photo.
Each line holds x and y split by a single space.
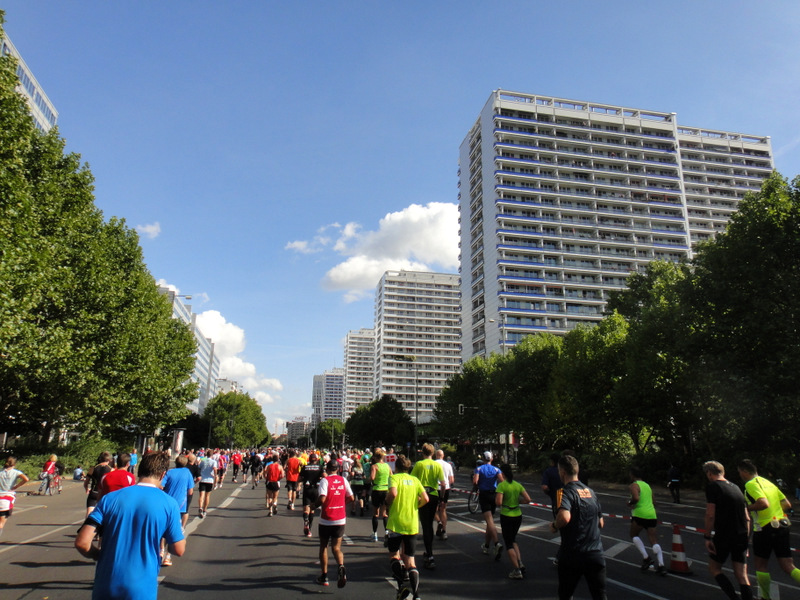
579 520
727 517
310 476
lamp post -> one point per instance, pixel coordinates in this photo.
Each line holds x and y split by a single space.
413 360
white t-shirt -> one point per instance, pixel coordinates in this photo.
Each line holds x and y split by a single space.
8 478
448 472
391 459
208 469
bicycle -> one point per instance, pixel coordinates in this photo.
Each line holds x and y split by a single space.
473 502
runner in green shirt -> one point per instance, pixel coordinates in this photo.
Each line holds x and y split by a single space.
406 495
379 476
509 493
643 517
431 475
770 528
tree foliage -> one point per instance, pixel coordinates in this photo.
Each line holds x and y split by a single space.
383 422
236 420
693 360
85 338
328 434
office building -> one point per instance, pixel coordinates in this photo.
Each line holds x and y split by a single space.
359 369
206 362
327 396
417 338
560 200
42 110
295 430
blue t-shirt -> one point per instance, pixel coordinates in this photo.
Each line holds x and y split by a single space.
487 477
177 483
134 519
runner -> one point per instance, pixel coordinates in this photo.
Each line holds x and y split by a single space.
222 467
236 459
405 497
358 483
379 476
486 477
391 457
178 483
508 496
450 479
293 466
431 475
334 493
256 465
92 482
310 476
643 517
273 473
10 479
208 476
119 478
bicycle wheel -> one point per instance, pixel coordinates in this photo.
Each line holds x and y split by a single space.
472 502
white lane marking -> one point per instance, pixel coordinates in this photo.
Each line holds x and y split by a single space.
347 540
631 588
38 537
616 549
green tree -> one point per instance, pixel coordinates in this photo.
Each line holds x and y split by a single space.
382 422
328 434
85 338
236 420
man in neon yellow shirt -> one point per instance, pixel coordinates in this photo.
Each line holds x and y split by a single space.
404 498
431 475
643 517
770 525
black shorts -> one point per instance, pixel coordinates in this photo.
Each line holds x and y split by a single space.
205 486
772 539
91 500
486 499
735 548
273 486
645 523
444 498
327 532
409 543
291 486
310 495
378 498
5 513
510 528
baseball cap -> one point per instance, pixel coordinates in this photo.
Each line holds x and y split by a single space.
487 455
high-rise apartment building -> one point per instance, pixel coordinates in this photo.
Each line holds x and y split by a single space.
327 396
206 362
359 369
42 110
295 430
417 338
560 200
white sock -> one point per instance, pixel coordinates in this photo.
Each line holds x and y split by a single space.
659 554
637 541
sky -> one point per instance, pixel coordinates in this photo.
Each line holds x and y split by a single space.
277 158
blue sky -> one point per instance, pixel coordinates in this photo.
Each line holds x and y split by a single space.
277 157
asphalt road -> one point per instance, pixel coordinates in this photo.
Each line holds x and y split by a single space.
238 552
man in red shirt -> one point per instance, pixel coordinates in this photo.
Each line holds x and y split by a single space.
273 473
118 478
334 493
236 459
293 466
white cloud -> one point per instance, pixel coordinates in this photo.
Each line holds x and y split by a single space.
150 231
169 286
417 238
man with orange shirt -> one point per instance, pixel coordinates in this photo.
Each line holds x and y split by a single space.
293 466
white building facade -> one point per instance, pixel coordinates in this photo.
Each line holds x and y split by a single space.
43 111
327 396
417 338
206 362
560 200
359 369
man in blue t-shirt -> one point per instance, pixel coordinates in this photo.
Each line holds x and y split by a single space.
134 519
486 477
178 483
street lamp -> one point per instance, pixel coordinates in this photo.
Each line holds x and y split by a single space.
413 360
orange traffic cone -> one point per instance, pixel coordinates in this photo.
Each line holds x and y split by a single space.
678 563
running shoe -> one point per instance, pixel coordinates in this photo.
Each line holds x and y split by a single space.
661 570
522 568
274 509
485 548
498 551
342 580
403 593
323 580
167 561
444 535
646 564
439 530
515 574
374 536
306 531
429 563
